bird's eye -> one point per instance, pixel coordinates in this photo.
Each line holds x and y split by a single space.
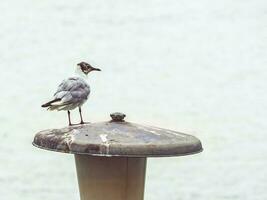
83 68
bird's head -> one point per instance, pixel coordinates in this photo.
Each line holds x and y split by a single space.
85 68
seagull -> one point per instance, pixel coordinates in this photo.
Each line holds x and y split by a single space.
72 92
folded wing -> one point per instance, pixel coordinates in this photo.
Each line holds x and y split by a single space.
71 93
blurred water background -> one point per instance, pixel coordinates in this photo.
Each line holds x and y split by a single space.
194 66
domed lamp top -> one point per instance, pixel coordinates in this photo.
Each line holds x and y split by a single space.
118 138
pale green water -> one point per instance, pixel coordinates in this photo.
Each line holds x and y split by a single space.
193 66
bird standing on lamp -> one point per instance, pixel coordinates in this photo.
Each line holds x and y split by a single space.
72 92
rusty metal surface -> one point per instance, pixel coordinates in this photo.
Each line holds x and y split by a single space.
118 139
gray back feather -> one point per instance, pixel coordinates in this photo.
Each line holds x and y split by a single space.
73 90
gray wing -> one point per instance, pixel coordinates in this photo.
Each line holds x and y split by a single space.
66 85
72 90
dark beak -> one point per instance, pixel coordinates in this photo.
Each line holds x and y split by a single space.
96 69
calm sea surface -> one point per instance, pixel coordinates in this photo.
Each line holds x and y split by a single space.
199 67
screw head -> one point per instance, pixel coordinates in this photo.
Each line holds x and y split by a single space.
117 117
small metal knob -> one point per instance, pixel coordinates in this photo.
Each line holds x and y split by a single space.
117 117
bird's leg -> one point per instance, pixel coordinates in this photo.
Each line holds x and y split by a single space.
80 111
69 118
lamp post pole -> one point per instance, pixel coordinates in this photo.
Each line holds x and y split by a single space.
112 178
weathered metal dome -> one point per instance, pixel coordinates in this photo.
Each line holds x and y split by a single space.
117 138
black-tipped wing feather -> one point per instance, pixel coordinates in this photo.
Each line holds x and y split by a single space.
50 102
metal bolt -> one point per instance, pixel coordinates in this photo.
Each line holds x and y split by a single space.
117 117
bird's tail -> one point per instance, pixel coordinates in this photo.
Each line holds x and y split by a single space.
48 104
